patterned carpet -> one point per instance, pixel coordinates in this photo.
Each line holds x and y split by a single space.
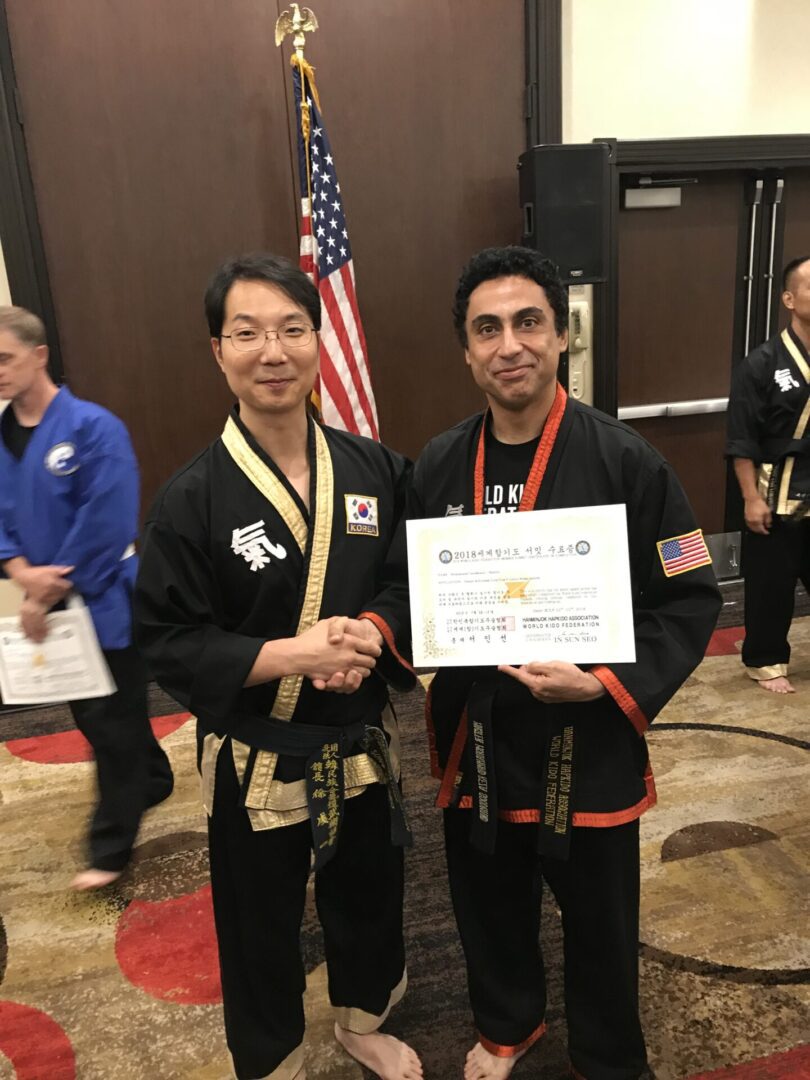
124 986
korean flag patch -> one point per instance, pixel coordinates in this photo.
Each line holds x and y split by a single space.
361 515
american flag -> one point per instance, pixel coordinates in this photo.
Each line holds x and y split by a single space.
344 387
681 553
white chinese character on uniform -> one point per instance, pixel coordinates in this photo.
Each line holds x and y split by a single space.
784 379
253 545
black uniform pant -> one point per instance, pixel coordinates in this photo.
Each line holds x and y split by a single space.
773 564
259 883
497 899
132 770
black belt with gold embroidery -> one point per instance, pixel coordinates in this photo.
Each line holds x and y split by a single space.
325 748
480 747
557 809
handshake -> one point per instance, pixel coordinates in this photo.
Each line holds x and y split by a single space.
338 653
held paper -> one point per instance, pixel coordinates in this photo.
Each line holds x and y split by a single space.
67 666
512 588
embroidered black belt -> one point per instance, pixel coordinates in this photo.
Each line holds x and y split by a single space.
557 802
325 749
794 502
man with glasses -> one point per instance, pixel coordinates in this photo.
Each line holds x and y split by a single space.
68 519
274 569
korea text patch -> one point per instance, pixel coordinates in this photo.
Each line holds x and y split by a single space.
361 515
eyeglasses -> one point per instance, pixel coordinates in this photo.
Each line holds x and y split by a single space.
252 338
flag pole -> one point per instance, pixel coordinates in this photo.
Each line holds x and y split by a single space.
300 22
343 394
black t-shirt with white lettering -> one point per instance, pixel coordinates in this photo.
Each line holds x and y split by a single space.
506 469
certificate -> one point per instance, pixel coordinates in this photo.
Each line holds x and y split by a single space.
512 588
67 666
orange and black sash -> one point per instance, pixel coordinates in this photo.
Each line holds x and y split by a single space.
556 811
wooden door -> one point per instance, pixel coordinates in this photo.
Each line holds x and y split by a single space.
426 124
159 135
676 320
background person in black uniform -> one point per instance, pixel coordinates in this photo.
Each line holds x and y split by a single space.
769 441
534 448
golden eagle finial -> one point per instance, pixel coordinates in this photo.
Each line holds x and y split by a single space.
298 22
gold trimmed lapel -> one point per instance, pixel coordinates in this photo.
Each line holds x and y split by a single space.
786 505
263 478
321 542
318 544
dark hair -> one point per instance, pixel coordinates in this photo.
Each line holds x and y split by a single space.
513 261
794 264
261 266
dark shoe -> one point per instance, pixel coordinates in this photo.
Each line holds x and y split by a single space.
159 790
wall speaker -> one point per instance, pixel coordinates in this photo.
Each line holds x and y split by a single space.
565 195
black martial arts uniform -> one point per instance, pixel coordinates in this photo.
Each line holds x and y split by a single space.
583 458
231 558
769 423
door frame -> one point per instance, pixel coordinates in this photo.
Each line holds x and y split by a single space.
543 97
23 250
753 157
762 154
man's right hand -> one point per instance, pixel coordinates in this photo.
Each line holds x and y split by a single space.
758 515
332 646
45 584
347 682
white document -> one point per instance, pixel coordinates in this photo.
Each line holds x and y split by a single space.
512 588
67 666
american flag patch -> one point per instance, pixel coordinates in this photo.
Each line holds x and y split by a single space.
682 553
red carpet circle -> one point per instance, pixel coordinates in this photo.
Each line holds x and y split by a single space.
35 1044
67 747
169 949
791 1065
726 642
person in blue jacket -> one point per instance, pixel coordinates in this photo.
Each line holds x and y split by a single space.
68 518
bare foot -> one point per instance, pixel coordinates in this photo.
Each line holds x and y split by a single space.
384 1055
779 685
94 879
481 1065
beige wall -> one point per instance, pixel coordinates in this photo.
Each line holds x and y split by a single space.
646 69
5 295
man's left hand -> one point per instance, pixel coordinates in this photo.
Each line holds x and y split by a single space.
32 620
346 682
556 681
